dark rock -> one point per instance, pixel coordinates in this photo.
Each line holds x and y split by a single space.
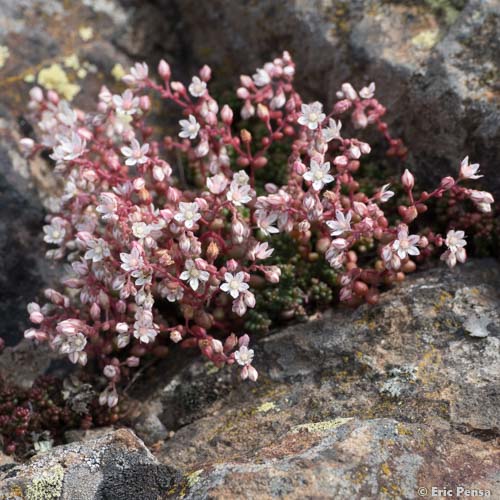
435 63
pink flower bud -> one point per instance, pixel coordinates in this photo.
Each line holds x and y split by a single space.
252 373
121 327
227 115
341 161
178 87
36 94
231 265
36 317
164 69
205 73
243 93
408 180
26 145
262 112
299 168
342 106
217 346
133 361
447 182
246 81
95 311
359 119
144 102
244 340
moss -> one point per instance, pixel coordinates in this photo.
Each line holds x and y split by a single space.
47 485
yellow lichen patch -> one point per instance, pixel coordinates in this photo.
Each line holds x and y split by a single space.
425 40
265 407
29 78
403 431
81 73
55 78
194 477
323 426
47 485
86 33
72 62
118 72
4 55
385 469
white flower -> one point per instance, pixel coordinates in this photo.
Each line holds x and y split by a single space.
265 222
341 225
244 355
193 275
142 277
469 171
141 230
405 244
455 240
108 397
132 261
188 214
368 92
138 73
260 251
68 148
261 77
127 103
318 175
332 131
197 88
144 329
312 115
235 284
385 194
136 154
98 250
55 232
217 183
190 128
238 194
241 177
108 204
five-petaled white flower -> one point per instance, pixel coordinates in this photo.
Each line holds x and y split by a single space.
265 222
217 183
332 131
190 128
127 103
132 261
198 87
135 154
55 232
318 175
469 171
235 284
368 92
141 230
455 240
244 356
68 148
260 251
108 204
193 275
138 73
188 214
98 250
312 115
238 194
405 244
261 77
341 225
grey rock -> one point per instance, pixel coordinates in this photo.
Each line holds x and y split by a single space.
116 466
358 402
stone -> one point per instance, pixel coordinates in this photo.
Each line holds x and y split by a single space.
115 466
372 402
435 63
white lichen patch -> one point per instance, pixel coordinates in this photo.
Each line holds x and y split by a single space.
46 485
86 33
265 407
425 40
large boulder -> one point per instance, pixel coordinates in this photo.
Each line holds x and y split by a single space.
372 402
435 63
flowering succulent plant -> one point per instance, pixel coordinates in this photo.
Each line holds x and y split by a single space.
153 260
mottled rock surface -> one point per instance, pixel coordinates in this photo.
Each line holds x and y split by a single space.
368 403
115 466
435 62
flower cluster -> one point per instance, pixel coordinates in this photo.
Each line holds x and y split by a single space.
154 260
